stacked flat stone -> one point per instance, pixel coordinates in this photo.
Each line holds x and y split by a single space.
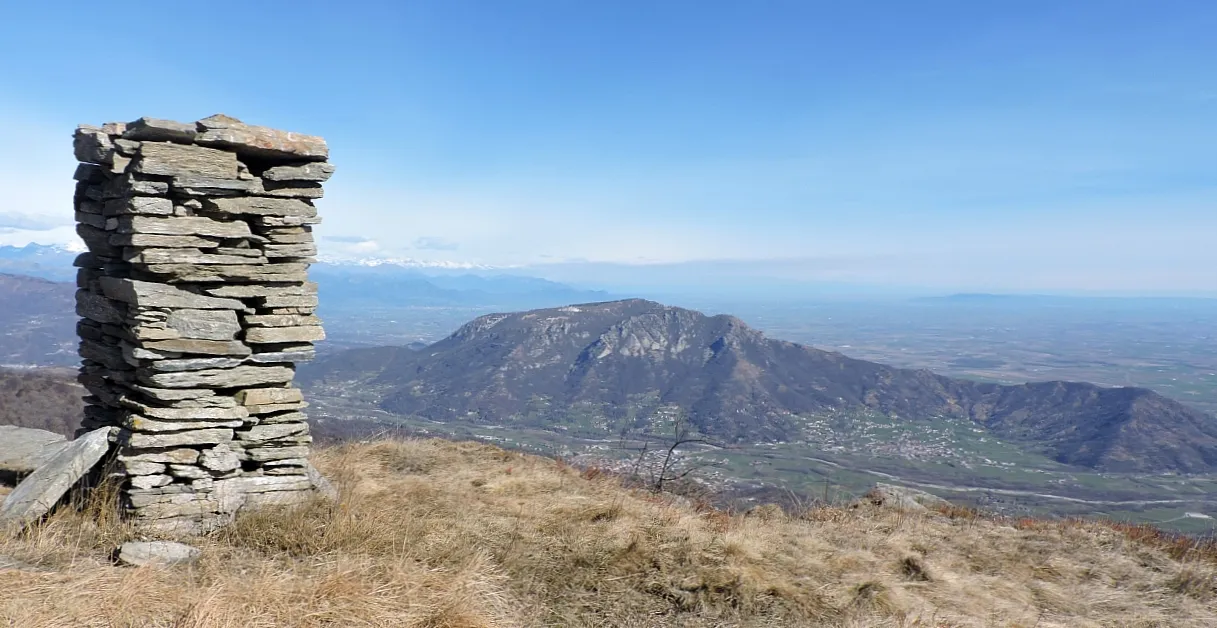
195 304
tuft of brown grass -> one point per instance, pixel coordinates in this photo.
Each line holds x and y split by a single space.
430 533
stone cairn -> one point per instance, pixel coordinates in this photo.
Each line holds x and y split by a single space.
195 305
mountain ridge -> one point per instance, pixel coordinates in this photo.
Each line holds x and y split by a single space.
38 320
347 286
633 356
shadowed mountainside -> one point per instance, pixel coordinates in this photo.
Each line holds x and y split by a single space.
45 399
633 356
37 321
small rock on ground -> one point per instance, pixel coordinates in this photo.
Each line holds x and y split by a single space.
902 498
320 483
766 512
12 563
156 553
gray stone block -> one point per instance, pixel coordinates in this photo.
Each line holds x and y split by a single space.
145 425
202 347
186 256
263 396
263 454
248 273
240 377
91 145
277 357
193 364
204 324
319 172
162 241
184 226
212 436
235 412
149 294
261 206
23 450
220 458
176 160
261 433
305 288
266 143
157 130
38 493
157 554
172 456
273 335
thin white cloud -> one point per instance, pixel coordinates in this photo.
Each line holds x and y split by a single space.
13 221
64 236
431 243
365 247
508 226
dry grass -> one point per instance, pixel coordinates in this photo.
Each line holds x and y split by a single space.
432 533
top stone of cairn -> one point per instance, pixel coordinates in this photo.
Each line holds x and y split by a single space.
226 132
223 131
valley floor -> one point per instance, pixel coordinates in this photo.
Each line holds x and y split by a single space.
434 533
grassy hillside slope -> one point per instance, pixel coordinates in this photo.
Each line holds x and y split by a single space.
434 533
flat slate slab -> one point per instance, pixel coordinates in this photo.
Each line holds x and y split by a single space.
903 498
12 563
38 493
320 483
23 450
156 553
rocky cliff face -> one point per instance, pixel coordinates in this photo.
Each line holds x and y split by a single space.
628 356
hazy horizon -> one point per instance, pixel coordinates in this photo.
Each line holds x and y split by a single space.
713 281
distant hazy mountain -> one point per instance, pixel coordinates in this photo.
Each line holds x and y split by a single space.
357 285
37 321
629 357
1040 300
351 286
37 260
38 315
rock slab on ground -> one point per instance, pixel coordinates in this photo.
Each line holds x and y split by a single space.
156 554
320 483
41 490
23 450
7 562
903 498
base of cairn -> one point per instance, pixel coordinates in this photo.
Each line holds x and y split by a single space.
177 483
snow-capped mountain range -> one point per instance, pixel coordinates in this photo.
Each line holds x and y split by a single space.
48 261
404 262
55 257
349 282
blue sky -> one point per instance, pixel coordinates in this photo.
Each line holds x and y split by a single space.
1004 146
